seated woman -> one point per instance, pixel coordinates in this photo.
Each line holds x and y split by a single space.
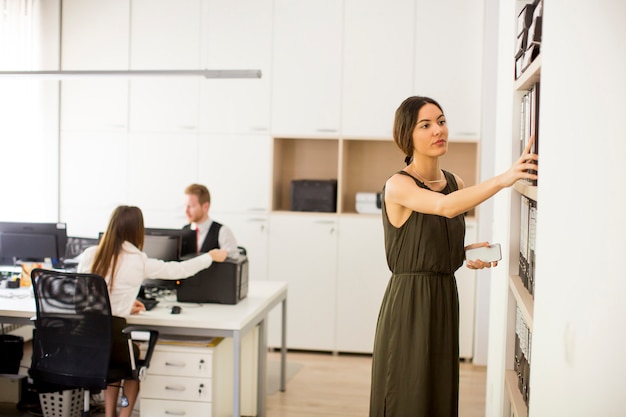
119 259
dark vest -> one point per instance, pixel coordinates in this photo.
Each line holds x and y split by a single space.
211 239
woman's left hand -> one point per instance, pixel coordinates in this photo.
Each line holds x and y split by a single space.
477 263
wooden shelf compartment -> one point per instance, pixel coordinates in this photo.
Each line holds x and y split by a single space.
526 189
300 159
530 76
515 396
366 165
358 165
523 299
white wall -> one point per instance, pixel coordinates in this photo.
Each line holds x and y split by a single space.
578 362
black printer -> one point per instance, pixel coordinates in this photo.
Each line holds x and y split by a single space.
222 282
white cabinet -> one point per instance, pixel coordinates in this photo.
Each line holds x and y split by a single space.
165 35
89 187
250 230
377 65
95 36
160 167
238 36
307 68
362 277
448 61
303 252
237 171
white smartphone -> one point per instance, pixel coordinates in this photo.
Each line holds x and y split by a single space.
489 253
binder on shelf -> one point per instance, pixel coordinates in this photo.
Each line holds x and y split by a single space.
529 119
532 225
523 240
523 352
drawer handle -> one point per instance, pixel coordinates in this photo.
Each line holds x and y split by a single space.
175 413
179 388
176 364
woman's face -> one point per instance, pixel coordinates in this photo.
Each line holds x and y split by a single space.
430 135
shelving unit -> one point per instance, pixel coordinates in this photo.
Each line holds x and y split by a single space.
514 296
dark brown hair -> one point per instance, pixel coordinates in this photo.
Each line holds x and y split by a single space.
199 191
126 224
405 120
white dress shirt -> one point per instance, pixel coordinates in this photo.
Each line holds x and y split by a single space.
133 266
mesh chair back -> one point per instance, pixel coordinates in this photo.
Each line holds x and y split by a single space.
72 337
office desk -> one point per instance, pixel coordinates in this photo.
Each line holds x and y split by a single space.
211 320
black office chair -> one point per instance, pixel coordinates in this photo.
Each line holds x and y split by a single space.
77 342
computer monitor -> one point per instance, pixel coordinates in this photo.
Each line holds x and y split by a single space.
32 242
166 248
168 245
187 239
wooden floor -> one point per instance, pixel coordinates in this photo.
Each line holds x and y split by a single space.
329 385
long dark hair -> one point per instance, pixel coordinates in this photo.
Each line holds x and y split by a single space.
405 120
126 224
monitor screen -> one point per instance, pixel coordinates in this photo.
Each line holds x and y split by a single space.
166 248
32 242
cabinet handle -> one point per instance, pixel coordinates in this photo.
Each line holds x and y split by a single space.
187 127
176 364
258 129
175 413
179 388
326 130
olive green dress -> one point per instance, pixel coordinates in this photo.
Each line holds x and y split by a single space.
415 368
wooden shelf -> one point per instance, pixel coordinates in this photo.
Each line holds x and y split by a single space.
523 298
530 76
515 396
526 189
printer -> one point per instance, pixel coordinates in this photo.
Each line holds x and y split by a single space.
222 283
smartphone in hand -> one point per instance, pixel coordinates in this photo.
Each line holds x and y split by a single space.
491 253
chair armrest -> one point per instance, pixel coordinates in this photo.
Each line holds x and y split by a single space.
152 340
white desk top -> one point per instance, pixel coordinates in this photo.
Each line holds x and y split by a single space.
262 297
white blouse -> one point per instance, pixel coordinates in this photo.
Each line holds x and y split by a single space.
133 266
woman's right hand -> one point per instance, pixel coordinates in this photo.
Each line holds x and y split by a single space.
519 170
218 255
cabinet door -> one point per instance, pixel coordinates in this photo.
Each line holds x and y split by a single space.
448 61
92 183
250 230
307 68
165 35
377 65
239 36
303 252
362 277
95 36
160 167
237 170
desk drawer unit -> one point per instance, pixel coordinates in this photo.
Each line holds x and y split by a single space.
177 388
196 381
164 408
184 362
